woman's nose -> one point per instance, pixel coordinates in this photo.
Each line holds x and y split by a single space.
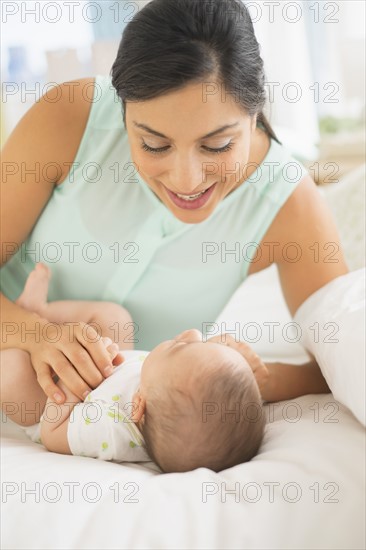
191 335
188 176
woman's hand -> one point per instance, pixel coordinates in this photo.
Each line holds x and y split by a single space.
279 381
76 354
260 370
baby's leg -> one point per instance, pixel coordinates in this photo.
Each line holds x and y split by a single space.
19 378
108 319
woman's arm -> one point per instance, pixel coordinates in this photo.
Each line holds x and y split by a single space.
279 381
305 223
25 192
288 381
19 326
49 133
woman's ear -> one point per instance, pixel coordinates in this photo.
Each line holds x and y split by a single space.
138 407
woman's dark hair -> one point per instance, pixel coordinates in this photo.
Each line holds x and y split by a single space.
173 43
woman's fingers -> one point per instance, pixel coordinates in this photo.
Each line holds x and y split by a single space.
89 356
79 360
85 367
256 364
253 359
258 367
44 377
65 371
70 376
95 346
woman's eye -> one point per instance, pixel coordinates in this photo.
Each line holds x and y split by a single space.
151 150
222 150
163 149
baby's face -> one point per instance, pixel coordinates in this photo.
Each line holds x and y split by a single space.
173 360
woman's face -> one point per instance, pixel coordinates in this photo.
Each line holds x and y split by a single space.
177 126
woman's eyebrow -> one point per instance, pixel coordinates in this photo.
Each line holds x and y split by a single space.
159 134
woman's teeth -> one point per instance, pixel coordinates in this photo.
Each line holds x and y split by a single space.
190 197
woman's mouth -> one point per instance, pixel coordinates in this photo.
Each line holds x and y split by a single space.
191 202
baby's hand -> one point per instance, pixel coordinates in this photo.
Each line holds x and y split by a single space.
260 371
113 349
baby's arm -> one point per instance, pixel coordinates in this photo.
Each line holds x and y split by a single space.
55 419
55 422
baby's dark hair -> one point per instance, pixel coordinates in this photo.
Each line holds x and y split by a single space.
217 421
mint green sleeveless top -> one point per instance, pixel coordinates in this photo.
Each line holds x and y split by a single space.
106 236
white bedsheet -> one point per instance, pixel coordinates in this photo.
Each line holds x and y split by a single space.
304 490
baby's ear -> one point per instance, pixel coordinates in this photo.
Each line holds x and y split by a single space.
138 407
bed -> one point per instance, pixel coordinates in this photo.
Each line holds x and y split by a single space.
304 490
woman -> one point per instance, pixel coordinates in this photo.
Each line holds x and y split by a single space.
161 190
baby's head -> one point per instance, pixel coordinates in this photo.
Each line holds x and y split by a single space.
198 405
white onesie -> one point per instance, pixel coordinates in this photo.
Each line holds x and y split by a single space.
100 426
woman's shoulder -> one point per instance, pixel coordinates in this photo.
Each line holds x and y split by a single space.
70 113
68 104
85 103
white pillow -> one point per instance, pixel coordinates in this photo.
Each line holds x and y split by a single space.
332 321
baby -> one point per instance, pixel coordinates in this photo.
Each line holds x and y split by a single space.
188 403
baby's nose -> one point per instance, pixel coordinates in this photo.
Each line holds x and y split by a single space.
191 335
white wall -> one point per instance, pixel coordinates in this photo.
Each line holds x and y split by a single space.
333 52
